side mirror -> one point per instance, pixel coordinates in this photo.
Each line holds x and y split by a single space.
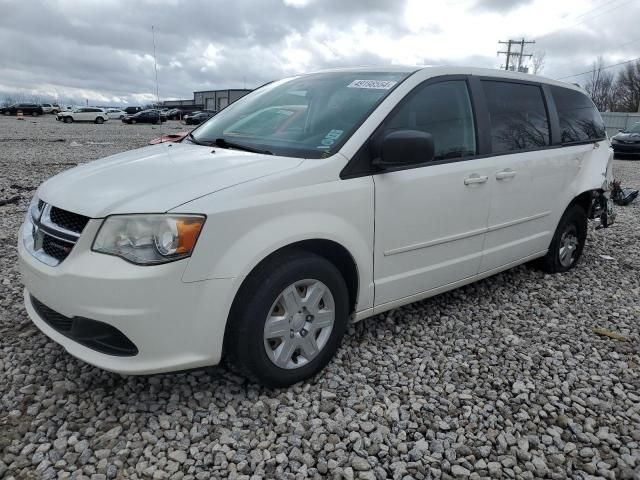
621 129
404 148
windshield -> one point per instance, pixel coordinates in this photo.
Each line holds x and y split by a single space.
310 116
635 128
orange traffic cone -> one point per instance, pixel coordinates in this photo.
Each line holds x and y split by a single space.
19 115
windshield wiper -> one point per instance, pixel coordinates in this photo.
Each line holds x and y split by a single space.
197 142
223 143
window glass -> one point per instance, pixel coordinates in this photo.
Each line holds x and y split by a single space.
518 116
579 118
309 116
443 110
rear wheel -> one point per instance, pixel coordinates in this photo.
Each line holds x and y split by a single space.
34 114
288 319
133 121
568 241
68 120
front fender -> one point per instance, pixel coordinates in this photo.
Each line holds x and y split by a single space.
246 224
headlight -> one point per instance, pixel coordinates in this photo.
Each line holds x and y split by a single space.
149 239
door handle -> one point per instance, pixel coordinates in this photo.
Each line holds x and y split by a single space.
505 174
475 178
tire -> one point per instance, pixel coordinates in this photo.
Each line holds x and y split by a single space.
99 120
568 241
301 277
133 122
68 120
54 112
34 114
7 113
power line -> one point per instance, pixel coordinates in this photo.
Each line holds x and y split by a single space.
553 32
601 68
509 53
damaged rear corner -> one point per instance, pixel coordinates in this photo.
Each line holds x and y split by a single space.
601 209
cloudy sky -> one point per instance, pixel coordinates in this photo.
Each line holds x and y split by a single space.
102 50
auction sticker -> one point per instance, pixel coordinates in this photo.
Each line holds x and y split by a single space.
376 84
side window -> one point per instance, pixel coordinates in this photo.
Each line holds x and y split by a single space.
579 118
518 116
443 110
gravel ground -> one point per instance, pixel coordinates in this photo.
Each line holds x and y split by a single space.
502 378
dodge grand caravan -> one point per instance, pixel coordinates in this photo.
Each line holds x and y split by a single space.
313 201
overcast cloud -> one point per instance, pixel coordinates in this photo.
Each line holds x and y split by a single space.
102 50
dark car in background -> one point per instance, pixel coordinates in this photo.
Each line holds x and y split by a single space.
132 110
196 118
174 114
627 142
25 108
146 116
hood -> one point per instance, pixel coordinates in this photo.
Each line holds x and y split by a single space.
627 137
155 179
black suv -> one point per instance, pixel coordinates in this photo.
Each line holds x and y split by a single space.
25 108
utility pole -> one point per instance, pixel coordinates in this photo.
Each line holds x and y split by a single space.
509 53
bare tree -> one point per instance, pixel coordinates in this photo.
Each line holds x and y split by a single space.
627 88
601 87
537 62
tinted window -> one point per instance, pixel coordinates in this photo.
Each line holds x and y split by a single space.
444 111
518 116
579 118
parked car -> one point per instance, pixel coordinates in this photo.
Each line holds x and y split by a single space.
116 113
83 114
174 114
264 242
25 108
146 116
198 118
132 110
627 142
50 108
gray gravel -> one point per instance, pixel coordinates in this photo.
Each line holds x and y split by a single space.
502 378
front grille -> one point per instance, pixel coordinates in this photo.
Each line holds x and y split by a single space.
56 248
98 336
68 220
50 233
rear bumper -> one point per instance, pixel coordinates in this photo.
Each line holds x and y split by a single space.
173 325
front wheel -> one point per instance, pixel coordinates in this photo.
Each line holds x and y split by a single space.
288 319
68 120
99 120
568 241
133 122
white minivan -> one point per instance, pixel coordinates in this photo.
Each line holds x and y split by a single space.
311 202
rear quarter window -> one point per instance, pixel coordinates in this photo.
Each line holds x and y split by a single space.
518 116
579 118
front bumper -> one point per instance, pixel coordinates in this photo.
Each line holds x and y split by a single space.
174 325
626 148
